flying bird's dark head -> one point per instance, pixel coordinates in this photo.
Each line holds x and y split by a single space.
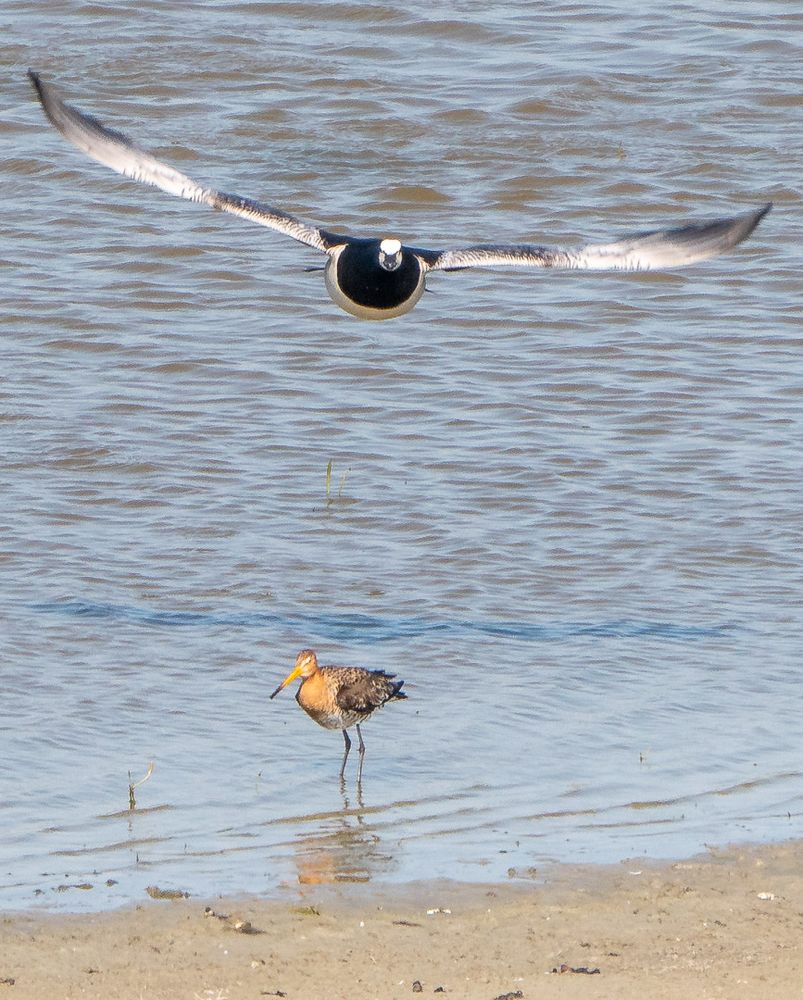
375 279
390 254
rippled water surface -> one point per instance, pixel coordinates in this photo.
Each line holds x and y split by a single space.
565 507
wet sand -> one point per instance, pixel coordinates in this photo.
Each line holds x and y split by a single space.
729 924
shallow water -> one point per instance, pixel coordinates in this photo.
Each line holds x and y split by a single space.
566 508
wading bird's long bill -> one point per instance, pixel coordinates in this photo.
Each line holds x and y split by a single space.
295 672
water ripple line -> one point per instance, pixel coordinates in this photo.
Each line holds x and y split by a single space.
371 629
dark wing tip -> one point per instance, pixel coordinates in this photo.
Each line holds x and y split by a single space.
46 97
740 228
761 212
752 220
37 83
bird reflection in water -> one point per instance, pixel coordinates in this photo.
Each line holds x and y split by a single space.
343 845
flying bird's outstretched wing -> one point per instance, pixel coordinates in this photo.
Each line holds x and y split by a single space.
641 252
115 150
358 276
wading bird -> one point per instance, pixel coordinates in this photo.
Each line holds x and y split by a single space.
383 278
341 697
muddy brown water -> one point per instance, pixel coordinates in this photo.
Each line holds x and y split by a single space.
566 508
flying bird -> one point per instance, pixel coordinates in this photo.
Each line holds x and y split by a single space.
341 697
383 278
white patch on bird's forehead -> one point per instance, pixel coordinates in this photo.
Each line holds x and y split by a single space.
390 247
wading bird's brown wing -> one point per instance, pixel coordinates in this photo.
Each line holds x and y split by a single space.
368 691
115 150
662 248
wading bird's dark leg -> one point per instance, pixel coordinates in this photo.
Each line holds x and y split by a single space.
361 749
347 741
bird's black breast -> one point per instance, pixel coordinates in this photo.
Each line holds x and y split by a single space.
363 279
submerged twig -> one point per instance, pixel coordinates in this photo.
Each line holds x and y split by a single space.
329 468
132 801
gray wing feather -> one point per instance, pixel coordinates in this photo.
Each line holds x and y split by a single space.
663 248
115 150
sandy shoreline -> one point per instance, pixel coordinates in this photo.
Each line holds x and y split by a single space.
729 924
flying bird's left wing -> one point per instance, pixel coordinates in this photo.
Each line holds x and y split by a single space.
115 150
662 248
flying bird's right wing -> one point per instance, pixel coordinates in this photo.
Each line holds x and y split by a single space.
115 150
661 248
